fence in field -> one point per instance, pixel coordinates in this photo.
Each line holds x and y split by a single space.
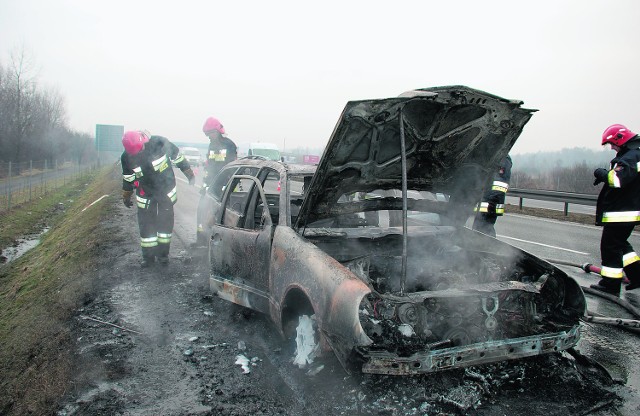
23 182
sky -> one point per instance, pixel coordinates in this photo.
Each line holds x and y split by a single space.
282 71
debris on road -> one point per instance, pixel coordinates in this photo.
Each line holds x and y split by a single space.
306 345
315 370
211 346
108 323
243 361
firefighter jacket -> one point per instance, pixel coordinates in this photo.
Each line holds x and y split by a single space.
150 171
222 150
619 198
493 199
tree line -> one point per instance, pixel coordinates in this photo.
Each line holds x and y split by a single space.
567 170
33 124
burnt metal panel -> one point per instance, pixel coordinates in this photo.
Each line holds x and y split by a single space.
454 137
380 362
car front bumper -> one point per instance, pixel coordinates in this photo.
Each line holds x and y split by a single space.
381 362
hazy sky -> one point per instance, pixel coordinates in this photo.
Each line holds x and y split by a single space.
282 71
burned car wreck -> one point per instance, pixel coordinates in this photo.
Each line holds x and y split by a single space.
372 240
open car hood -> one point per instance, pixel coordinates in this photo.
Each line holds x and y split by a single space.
454 138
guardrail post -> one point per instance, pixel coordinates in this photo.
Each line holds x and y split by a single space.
43 173
10 190
30 177
566 209
520 203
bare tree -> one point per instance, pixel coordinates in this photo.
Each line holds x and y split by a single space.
33 119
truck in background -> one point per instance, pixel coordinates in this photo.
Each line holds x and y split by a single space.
267 150
310 159
193 155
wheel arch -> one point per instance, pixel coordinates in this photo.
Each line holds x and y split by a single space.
295 303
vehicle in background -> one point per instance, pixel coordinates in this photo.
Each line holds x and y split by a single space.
193 155
267 150
310 159
371 242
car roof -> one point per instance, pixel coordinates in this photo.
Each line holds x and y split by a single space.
283 167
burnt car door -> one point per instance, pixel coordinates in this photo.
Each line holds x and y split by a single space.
241 243
210 202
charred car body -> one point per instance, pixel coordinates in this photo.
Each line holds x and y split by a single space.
372 241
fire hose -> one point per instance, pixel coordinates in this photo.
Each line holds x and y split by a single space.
630 324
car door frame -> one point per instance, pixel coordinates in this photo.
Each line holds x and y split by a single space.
239 257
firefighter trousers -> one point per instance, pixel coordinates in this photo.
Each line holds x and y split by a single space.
156 225
617 254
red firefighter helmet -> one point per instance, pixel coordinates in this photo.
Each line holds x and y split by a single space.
617 134
212 124
133 141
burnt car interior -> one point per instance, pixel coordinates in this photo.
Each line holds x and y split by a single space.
246 208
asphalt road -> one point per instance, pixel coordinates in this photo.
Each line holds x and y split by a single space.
616 349
612 347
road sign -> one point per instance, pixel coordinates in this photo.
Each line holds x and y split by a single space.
109 137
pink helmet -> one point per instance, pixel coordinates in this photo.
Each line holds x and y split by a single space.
212 124
133 141
617 134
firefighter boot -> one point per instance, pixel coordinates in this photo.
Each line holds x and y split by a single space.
633 273
163 260
147 261
608 285
148 257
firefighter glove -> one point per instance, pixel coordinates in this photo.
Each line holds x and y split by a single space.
601 175
126 198
191 176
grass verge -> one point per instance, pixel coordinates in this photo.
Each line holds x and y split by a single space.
40 290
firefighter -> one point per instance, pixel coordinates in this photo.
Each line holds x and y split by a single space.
147 167
618 210
492 204
222 150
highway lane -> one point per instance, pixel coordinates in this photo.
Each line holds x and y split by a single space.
557 240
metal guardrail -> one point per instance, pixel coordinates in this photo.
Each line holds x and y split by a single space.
556 196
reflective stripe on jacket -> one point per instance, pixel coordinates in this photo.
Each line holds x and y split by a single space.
496 196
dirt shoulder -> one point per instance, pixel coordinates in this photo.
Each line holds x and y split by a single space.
40 291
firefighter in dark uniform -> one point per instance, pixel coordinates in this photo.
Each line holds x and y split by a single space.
492 204
147 168
222 150
618 210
